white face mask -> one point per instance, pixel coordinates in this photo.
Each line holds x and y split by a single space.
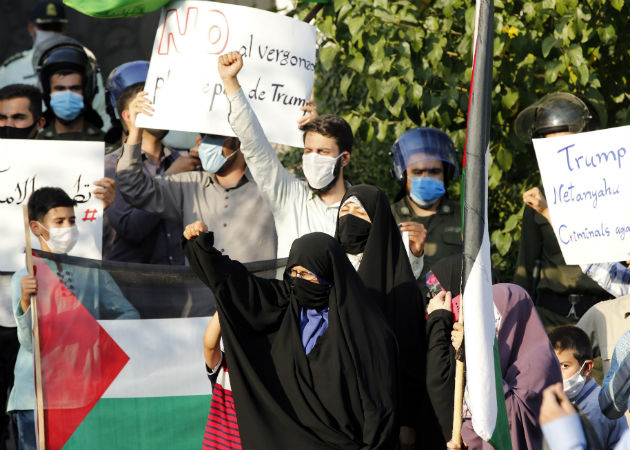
573 385
61 240
319 170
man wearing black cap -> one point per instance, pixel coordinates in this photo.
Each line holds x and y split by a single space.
48 21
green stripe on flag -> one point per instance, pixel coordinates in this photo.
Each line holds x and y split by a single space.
146 423
501 437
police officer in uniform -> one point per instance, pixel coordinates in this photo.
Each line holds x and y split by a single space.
47 23
67 77
561 293
425 161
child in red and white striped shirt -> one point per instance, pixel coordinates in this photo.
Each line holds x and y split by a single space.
222 427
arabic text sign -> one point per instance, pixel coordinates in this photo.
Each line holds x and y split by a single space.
587 185
184 84
26 166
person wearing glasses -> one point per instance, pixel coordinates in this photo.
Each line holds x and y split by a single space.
313 364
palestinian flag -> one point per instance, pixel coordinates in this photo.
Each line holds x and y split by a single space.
484 382
122 354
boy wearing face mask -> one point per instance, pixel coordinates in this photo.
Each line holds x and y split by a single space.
52 221
574 352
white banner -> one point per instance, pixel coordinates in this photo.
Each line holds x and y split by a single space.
183 82
27 165
586 177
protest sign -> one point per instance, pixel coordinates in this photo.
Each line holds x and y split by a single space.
26 166
183 82
586 177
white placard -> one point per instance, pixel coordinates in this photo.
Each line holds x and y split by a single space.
586 177
27 165
183 81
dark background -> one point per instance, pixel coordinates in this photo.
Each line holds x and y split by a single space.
113 41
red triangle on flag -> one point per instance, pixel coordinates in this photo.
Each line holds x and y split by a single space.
79 359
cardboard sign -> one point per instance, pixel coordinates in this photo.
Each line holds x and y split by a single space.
586 177
28 165
184 84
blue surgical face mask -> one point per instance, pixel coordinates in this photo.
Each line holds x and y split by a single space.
425 191
211 154
67 105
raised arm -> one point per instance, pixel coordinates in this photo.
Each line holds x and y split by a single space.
276 184
160 195
252 302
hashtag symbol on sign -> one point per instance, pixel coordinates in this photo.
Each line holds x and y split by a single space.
90 215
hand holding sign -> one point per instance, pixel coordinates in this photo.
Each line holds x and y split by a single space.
105 191
537 201
140 104
310 112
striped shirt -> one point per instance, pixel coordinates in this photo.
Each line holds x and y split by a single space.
221 428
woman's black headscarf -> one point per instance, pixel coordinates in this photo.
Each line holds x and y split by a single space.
386 272
342 394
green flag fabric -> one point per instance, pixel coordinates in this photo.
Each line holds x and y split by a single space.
110 9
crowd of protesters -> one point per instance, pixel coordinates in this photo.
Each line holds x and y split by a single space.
354 345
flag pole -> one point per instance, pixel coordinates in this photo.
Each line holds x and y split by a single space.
458 397
37 363
473 193
313 12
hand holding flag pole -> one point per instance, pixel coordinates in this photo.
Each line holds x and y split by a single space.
37 363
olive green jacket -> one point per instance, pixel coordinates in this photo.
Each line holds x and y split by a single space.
444 229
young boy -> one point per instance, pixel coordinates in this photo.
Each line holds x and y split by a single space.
574 352
221 428
52 220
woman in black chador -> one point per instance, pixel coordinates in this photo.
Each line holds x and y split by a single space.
312 360
368 233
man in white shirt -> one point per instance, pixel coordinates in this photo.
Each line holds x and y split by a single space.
298 208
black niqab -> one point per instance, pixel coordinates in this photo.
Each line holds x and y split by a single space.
342 394
386 272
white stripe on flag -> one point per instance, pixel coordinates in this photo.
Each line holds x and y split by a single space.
479 333
165 357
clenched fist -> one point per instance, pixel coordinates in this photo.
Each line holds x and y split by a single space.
194 229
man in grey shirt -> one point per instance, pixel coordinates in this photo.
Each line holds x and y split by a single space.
223 196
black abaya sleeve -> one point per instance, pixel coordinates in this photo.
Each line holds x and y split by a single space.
441 368
252 302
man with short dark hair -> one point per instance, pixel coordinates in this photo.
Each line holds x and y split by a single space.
20 112
223 195
298 208
131 234
67 79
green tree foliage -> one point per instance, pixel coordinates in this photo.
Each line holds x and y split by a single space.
388 66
